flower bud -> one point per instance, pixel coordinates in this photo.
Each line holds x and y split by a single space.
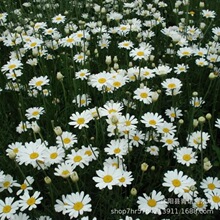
115 59
208 116
114 119
58 131
47 180
108 60
212 75
133 192
195 123
155 96
152 168
206 159
201 120
201 4
60 76
181 121
74 177
207 166
12 155
144 167
35 127
195 94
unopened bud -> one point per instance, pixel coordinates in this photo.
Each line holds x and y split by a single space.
116 66
201 120
152 168
207 166
108 60
58 131
195 94
115 59
206 159
195 123
155 96
114 119
212 75
12 155
133 192
47 180
181 121
35 127
74 177
144 167
201 4
208 116
60 76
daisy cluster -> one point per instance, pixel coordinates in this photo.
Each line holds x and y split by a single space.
109 105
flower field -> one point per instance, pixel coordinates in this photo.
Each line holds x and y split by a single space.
109 109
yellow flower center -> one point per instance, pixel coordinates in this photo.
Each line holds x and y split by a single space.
66 140
125 44
77 158
33 44
23 186
82 74
169 141
116 84
146 73
123 28
136 138
115 165
117 150
78 206
186 190
127 123
143 95
6 209
88 152
79 35
31 201
186 53
70 40
35 113
166 130
176 182
216 199
191 13
152 202
82 101
172 86
80 57
200 53
211 186
196 104
34 155
107 178
6 184
122 180
152 122
12 66
80 121
102 80
200 204
186 157
111 111
53 155
65 172
39 83
140 53
173 115
15 150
